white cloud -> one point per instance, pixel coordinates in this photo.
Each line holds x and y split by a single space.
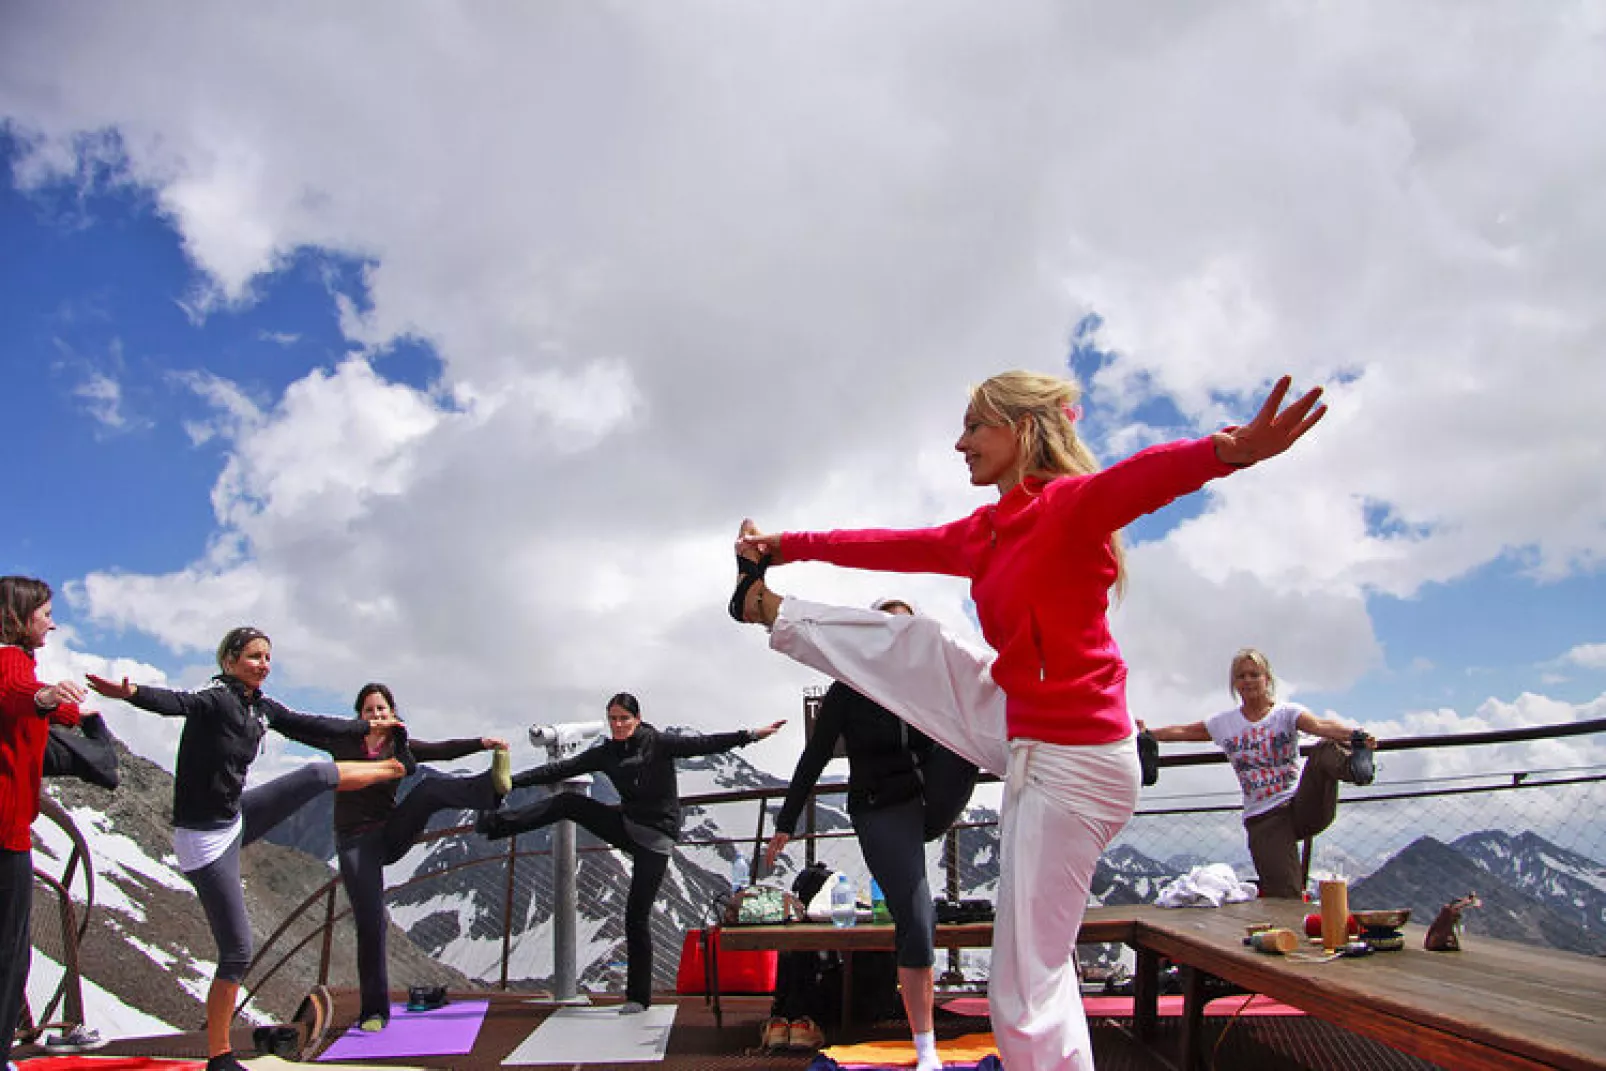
682 266
1587 655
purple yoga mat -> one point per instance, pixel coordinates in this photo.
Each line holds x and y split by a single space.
446 1031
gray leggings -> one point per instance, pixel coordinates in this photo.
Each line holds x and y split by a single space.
217 884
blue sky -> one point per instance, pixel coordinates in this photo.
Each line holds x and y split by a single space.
467 390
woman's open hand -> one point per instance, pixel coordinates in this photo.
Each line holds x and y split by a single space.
768 730
109 688
773 850
1271 432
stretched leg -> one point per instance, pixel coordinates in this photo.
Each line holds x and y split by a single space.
647 870
1062 806
89 755
217 885
1316 797
601 820
893 845
362 872
948 780
931 679
434 792
265 806
16 946
1274 847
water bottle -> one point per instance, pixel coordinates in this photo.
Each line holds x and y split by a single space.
739 873
878 903
844 905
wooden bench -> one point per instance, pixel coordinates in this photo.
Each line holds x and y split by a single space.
1493 1005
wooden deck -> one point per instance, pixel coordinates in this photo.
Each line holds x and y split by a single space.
1492 1005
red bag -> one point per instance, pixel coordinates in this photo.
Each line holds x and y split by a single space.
739 972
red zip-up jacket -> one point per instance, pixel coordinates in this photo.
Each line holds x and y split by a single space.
23 731
1040 562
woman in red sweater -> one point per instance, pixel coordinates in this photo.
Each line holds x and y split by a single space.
27 709
1047 710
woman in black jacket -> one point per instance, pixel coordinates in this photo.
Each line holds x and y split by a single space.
645 824
903 790
214 816
372 830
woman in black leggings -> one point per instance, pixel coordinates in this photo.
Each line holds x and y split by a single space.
213 814
903 790
645 824
372 830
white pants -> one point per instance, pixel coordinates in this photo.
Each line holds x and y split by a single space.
1062 805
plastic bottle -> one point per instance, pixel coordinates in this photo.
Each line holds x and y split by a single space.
739 873
878 903
844 905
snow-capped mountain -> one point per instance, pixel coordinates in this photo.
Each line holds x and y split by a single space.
1564 881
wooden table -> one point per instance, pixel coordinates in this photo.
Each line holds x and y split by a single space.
1492 1005
870 937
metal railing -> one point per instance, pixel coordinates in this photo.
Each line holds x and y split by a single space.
496 900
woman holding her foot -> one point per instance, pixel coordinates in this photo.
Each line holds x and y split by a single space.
214 816
903 790
1047 711
645 824
1282 806
372 830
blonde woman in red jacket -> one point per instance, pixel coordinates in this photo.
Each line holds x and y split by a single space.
1046 709
28 707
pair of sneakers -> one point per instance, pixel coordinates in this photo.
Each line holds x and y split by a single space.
804 1033
78 1038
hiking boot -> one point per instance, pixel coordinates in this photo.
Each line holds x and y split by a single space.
74 1039
805 1033
225 1061
1359 768
402 750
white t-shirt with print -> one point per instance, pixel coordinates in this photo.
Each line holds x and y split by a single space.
1264 754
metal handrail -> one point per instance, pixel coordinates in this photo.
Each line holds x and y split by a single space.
762 796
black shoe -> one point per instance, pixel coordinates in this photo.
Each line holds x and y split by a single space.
402 750
421 998
748 573
1149 757
1359 768
90 755
225 1061
490 825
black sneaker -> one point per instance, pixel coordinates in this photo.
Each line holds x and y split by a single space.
489 824
74 1039
1360 769
225 1061
1149 757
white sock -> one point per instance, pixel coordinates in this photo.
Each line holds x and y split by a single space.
926 1058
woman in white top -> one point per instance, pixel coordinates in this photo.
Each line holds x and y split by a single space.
1282 806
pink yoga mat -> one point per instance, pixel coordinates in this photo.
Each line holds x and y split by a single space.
445 1031
1121 1007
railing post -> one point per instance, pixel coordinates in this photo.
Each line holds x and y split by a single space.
328 937
565 911
507 907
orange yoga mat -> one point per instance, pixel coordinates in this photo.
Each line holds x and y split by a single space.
1121 1007
960 1052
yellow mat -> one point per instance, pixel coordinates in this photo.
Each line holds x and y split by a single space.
963 1050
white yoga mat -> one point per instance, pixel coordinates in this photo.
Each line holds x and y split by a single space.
597 1036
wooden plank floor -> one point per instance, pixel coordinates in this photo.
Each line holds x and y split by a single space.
696 1044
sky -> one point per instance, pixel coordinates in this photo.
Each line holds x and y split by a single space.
450 343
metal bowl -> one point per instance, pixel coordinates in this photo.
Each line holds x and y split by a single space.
1383 920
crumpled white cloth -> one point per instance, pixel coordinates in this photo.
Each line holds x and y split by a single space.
1206 886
